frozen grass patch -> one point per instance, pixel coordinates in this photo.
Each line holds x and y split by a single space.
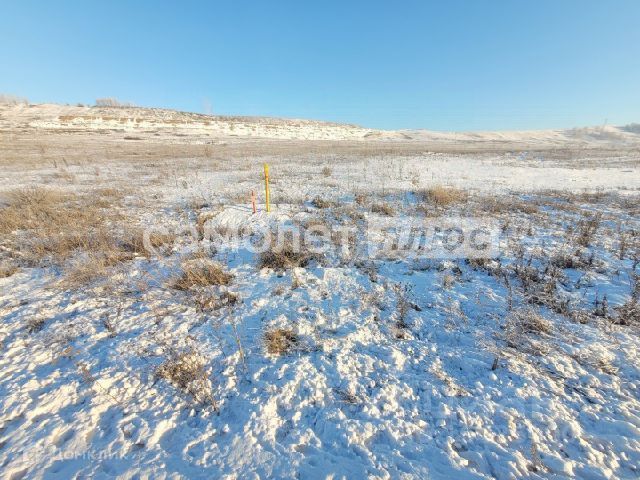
628 314
50 227
144 243
383 209
186 371
523 330
200 271
444 196
8 270
320 202
35 324
281 341
287 257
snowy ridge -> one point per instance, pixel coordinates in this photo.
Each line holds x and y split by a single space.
138 120
154 120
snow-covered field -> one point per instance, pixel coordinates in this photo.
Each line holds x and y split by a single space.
204 359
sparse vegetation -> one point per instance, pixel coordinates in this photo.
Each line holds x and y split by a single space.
319 202
7 270
201 221
360 198
507 204
286 256
587 229
145 243
12 100
628 314
49 226
213 301
281 341
383 209
200 271
91 265
35 324
347 397
186 370
444 196
112 102
524 329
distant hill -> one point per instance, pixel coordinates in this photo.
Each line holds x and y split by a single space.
142 123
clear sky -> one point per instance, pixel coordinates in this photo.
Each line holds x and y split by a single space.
441 65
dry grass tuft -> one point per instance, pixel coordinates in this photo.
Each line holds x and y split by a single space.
595 357
281 341
35 324
319 202
201 220
444 196
383 209
186 371
289 256
80 233
490 265
34 208
360 198
208 301
507 204
49 227
566 259
628 314
347 397
200 271
91 265
523 328
141 242
587 228
7 270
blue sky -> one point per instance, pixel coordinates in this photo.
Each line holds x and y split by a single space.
441 65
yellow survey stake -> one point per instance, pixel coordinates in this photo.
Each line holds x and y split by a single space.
266 186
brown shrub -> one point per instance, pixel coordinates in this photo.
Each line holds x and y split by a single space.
281 341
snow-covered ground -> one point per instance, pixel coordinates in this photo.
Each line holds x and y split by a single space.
524 365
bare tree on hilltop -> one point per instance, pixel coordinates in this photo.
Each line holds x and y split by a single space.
112 102
12 99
